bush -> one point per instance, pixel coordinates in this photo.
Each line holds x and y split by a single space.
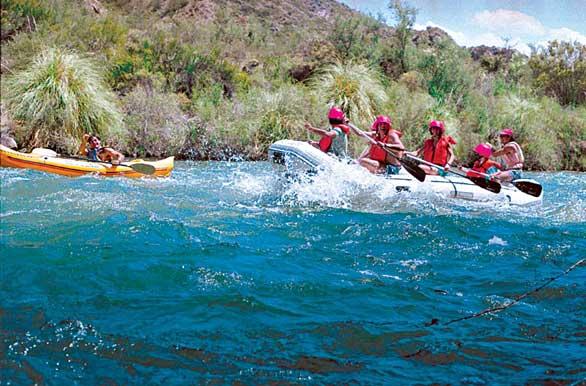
560 71
448 76
61 96
355 87
22 15
156 125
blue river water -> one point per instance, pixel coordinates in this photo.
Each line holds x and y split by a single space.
226 273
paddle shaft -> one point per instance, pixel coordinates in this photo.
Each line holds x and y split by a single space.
412 168
141 168
374 141
489 185
527 187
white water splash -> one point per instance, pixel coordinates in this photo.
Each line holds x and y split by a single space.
495 240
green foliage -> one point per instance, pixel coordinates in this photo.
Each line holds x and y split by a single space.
155 123
355 87
188 88
404 16
357 37
61 95
448 76
560 71
22 15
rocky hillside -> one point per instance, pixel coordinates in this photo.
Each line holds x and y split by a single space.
277 13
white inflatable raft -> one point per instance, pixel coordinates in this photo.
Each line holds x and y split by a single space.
300 157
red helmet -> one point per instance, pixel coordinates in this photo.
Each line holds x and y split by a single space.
506 132
336 113
381 119
483 149
438 124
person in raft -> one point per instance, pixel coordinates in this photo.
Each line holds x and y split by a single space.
91 147
374 157
437 149
334 140
512 157
483 166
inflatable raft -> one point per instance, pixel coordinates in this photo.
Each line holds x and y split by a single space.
301 157
71 167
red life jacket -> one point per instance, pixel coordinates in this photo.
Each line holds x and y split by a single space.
326 142
376 152
438 154
483 167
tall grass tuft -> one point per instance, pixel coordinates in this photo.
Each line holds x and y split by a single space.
355 87
60 96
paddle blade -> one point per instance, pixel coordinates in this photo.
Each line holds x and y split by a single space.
531 188
413 169
143 168
489 185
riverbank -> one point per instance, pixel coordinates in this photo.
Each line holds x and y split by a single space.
190 87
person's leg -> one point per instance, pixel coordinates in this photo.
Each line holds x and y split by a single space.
429 170
503 176
370 164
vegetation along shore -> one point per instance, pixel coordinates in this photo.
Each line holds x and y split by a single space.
225 79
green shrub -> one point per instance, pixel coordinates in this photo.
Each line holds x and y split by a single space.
61 95
560 71
449 77
22 15
156 126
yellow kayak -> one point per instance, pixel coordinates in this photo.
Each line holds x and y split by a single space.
50 163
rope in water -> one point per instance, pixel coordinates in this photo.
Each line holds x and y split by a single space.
512 303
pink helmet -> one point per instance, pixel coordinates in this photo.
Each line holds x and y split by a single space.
438 124
381 119
506 132
336 113
484 149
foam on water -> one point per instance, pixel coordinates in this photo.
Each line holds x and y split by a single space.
229 272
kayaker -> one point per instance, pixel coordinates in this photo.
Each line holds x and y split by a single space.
437 149
374 157
334 140
91 147
512 157
483 165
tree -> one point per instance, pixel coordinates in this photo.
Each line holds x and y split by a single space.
560 71
404 16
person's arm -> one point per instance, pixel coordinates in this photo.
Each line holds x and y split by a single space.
110 155
416 153
396 143
505 150
321 132
450 159
83 147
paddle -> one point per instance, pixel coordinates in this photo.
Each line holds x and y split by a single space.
489 185
141 168
409 165
528 187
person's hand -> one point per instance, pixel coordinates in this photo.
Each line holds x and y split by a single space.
307 126
115 162
86 137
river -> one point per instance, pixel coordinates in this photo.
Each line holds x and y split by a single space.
227 272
